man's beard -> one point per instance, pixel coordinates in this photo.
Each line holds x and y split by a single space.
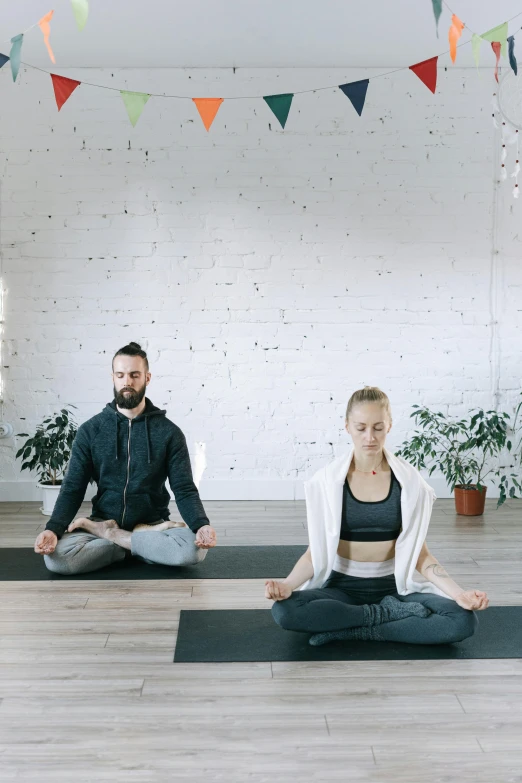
129 400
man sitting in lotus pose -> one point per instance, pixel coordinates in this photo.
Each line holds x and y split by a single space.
129 449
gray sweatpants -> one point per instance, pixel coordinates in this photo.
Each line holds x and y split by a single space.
80 552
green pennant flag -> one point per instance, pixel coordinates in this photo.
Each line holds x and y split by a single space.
476 40
280 105
134 103
498 33
81 12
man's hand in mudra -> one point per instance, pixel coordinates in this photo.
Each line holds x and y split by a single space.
206 537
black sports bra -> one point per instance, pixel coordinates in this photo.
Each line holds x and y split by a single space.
379 520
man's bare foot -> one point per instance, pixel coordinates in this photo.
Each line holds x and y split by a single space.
100 529
160 526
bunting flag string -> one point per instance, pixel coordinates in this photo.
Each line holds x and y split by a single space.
81 12
208 108
63 88
280 105
45 26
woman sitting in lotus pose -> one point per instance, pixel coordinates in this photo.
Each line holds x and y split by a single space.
368 573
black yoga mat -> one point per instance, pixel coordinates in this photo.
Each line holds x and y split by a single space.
221 562
208 636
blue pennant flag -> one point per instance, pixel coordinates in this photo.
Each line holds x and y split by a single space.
356 92
512 58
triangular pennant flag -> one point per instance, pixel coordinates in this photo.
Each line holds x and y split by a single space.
512 58
208 108
134 103
63 88
495 45
280 105
81 12
437 10
3 60
14 55
356 92
476 40
45 27
427 72
498 33
454 34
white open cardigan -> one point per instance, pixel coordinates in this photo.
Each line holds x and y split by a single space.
324 500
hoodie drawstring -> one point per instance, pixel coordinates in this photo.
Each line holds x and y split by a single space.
117 430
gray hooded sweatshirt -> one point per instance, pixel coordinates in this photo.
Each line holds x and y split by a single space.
130 461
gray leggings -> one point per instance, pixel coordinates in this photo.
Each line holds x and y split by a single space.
78 553
339 604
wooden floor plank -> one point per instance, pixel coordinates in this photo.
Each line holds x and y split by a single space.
88 690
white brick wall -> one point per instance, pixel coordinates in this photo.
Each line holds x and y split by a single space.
267 273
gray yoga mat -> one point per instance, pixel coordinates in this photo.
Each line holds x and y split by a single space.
221 562
210 636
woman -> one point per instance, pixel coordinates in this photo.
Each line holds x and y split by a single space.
368 573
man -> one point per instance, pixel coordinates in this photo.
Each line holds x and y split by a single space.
129 450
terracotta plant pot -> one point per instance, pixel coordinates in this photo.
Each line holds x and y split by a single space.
470 502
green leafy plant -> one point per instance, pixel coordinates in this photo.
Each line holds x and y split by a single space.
463 450
49 450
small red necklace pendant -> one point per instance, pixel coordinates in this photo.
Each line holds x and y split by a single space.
374 472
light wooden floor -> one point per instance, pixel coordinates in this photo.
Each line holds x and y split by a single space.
88 690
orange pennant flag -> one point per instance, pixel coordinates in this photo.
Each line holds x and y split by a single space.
208 108
454 34
45 27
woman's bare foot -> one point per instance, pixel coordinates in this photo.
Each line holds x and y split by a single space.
160 526
100 529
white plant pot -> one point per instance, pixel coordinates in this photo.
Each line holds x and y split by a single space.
50 496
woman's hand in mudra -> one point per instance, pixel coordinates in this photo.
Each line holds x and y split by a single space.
277 591
473 599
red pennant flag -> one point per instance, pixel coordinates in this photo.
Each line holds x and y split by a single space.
496 46
427 72
63 88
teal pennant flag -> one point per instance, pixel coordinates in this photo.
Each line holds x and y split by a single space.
15 53
280 105
437 10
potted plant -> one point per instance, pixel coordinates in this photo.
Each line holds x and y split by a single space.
461 450
48 453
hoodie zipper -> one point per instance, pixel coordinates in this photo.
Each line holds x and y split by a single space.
128 473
